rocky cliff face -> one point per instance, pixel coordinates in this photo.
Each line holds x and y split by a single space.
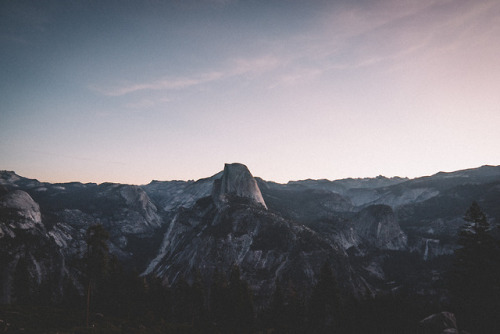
173 228
130 208
19 212
233 226
43 226
25 246
305 205
425 208
377 226
237 181
171 195
264 245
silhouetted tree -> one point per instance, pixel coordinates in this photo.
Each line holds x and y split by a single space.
22 282
286 312
241 303
295 310
182 306
219 300
197 299
325 301
475 278
159 297
120 293
71 297
44 292
97 260
277 314
230 303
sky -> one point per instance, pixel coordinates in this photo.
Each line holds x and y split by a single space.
131 91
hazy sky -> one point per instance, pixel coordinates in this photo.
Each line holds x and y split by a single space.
130 91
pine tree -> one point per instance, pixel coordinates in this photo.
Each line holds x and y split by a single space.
182 307
22 282
197 299
242 313
286 310
189 301
97 260
277 310
475 279
159 297
324 305
219 301
296 310
71 298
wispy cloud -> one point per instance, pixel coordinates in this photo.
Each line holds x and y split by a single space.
161 84
236 67
147 103
295 76
348 36
356 35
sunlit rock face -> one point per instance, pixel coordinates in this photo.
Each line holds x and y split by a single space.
266 247
19 211
378 226
237 181
432 248
126 208
233 226
25 245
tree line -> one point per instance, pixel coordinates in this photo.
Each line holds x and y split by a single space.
226 305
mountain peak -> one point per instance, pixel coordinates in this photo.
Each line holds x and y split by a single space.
237 181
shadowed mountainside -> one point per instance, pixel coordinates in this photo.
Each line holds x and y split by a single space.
273 231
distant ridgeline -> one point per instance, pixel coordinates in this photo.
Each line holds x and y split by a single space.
190 251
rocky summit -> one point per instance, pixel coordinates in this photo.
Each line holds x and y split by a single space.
237 181
233 226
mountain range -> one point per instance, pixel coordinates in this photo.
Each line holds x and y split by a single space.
378 234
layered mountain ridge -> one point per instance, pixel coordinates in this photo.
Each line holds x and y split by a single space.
273 231
233 226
